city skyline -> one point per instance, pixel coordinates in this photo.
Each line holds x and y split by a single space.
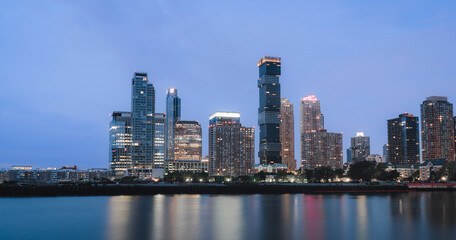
357 93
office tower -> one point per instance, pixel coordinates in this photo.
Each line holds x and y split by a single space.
311 117
159 140
173 114
142 121
231 146
269 110
321 149
349 155
360 147
437 129
120 143
287 134
187 141
386 152
404 140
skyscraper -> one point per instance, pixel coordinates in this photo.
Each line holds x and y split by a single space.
360 147
312 119
173 114
287 134
437 129
142 121
120 143
187 141
386 152
269 110
349 155
319 148
231 146
403 140
159 140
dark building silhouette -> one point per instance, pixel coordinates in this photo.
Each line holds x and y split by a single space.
404 140
269 110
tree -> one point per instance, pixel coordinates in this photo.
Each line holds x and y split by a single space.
324 173
363 170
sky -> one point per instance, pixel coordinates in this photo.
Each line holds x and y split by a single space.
66 65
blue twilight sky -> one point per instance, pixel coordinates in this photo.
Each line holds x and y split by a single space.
66 65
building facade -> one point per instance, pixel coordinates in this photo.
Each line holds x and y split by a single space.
120 143
187 141
269 110
287 134
173 114
437 129
311 118
231 146
360 147
404 140
159 140
386 152
142 121
321 149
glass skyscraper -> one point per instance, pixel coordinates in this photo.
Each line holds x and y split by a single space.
120 143
159 140
404 140
142 121
437 129
173 114
269 110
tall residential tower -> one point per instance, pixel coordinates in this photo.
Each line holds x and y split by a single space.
437 129
142 121
404 140
360 147
269 110
287 134
231 146
319 148
173 114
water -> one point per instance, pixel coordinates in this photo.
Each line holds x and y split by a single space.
426 215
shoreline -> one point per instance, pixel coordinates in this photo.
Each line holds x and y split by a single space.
100 189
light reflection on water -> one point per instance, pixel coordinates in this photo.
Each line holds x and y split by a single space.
384 216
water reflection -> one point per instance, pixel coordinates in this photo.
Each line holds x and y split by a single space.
386 216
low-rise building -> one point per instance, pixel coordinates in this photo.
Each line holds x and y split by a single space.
405 170
271 168
428 166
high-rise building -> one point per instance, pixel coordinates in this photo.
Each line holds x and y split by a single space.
360 147
404 140
269 110
312 119
173 114
187 141
321 149
386 152
349 155
142 121
159 140
437 129
287 134
120 143
231 146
